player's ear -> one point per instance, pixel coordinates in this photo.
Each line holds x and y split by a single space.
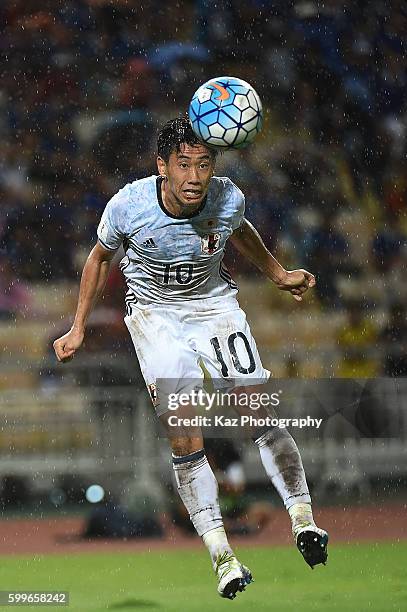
161 166
213 165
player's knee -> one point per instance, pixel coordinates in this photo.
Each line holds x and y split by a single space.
186 446
275 436
184 435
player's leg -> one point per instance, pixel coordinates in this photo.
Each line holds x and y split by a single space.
282 461
198 490
233 356
165 359
283 464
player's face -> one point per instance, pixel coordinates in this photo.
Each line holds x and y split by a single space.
188 173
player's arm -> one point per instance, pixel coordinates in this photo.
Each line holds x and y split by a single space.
249 243
93 281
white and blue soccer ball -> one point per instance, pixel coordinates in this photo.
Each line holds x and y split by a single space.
226 113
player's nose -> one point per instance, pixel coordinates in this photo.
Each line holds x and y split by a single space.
193 176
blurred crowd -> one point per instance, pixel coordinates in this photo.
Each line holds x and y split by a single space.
86 84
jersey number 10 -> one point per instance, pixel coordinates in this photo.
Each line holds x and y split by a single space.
233 353
182 273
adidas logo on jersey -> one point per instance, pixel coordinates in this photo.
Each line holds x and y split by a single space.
149 244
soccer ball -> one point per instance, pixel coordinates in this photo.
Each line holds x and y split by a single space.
226 113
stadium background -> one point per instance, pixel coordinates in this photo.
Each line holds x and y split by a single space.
84 87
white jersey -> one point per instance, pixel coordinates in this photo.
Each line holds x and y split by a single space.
172 259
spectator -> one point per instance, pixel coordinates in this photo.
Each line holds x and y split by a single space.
14 295
355 341
388 243
327 239
394 339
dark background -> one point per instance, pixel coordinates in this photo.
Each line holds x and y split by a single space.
85 85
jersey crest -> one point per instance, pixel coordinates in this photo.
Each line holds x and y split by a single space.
210 243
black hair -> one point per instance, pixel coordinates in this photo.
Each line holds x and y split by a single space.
173 134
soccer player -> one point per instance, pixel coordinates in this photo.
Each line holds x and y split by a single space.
182 314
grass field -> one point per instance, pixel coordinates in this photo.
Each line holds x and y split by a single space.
371 577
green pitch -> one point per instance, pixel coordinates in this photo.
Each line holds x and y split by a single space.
368 577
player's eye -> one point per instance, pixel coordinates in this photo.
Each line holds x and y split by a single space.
204 166
183 165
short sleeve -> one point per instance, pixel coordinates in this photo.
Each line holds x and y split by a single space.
240 206
110 231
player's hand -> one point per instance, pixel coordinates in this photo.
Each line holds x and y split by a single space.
66 346
297 282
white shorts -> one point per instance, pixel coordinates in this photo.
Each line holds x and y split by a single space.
179 343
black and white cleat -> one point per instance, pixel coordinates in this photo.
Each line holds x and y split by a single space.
312 543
